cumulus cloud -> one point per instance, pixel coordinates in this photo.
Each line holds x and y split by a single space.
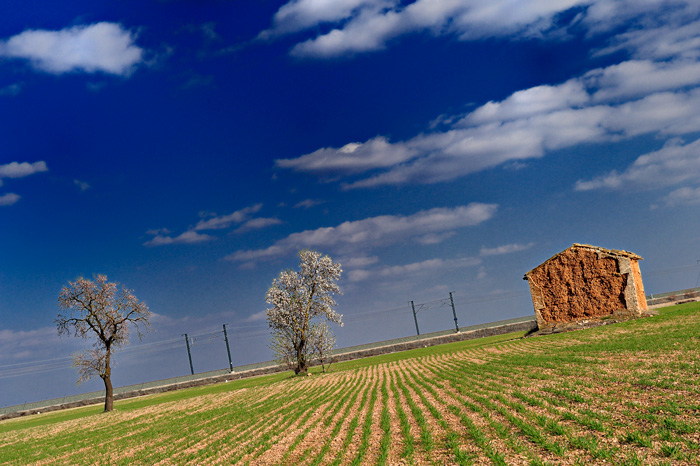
675 163
373 232
225 221
81 185
656 92
360 261
636 78
211 221
683 196
609 104
158 231
430 264
308 203
298 15
362 26
674 37
188 237
257 224
9 199
530 102
352 158
414 268
346 27
101 47
505 249
20 170
256 317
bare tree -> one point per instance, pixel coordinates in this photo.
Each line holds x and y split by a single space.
101 310
300 301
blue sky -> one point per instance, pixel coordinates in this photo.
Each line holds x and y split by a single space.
188 149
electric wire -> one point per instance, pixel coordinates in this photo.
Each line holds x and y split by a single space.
246 331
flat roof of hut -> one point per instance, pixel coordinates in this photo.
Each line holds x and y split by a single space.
586 282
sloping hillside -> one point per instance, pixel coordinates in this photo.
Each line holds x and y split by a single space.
621 394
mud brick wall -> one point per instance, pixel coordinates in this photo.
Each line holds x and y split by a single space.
585 282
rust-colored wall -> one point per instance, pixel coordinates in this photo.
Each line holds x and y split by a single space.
577 284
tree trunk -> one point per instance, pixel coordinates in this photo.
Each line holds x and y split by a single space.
301 368
301 360
109 394
107 379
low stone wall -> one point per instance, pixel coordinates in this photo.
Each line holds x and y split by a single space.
364 353
673 297
450 338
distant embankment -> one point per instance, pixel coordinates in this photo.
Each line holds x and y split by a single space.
206 378
673 297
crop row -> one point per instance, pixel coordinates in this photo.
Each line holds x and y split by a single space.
627 394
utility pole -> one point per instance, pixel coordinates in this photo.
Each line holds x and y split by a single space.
413 307
189 354
228 350
452 302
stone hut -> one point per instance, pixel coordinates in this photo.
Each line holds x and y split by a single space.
586 282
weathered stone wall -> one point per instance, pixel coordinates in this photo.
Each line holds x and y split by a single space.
639 286
576 284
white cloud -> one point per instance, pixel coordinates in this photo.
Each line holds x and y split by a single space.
225 221
415 268
435 238
675 163
257 224
211 221
366 33
677 36
430 264
308 203
188 237
81 185
360 261
20 170
346 27
529 102
505 249
655 93
298 15
683 196
9 199
666 113
100 47
374 231
358 275
158 231
363 26
351 158
257 317
609 104
641 77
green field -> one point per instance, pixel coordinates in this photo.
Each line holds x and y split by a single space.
624 394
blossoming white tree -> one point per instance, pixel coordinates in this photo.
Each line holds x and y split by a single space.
99 309
301 302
